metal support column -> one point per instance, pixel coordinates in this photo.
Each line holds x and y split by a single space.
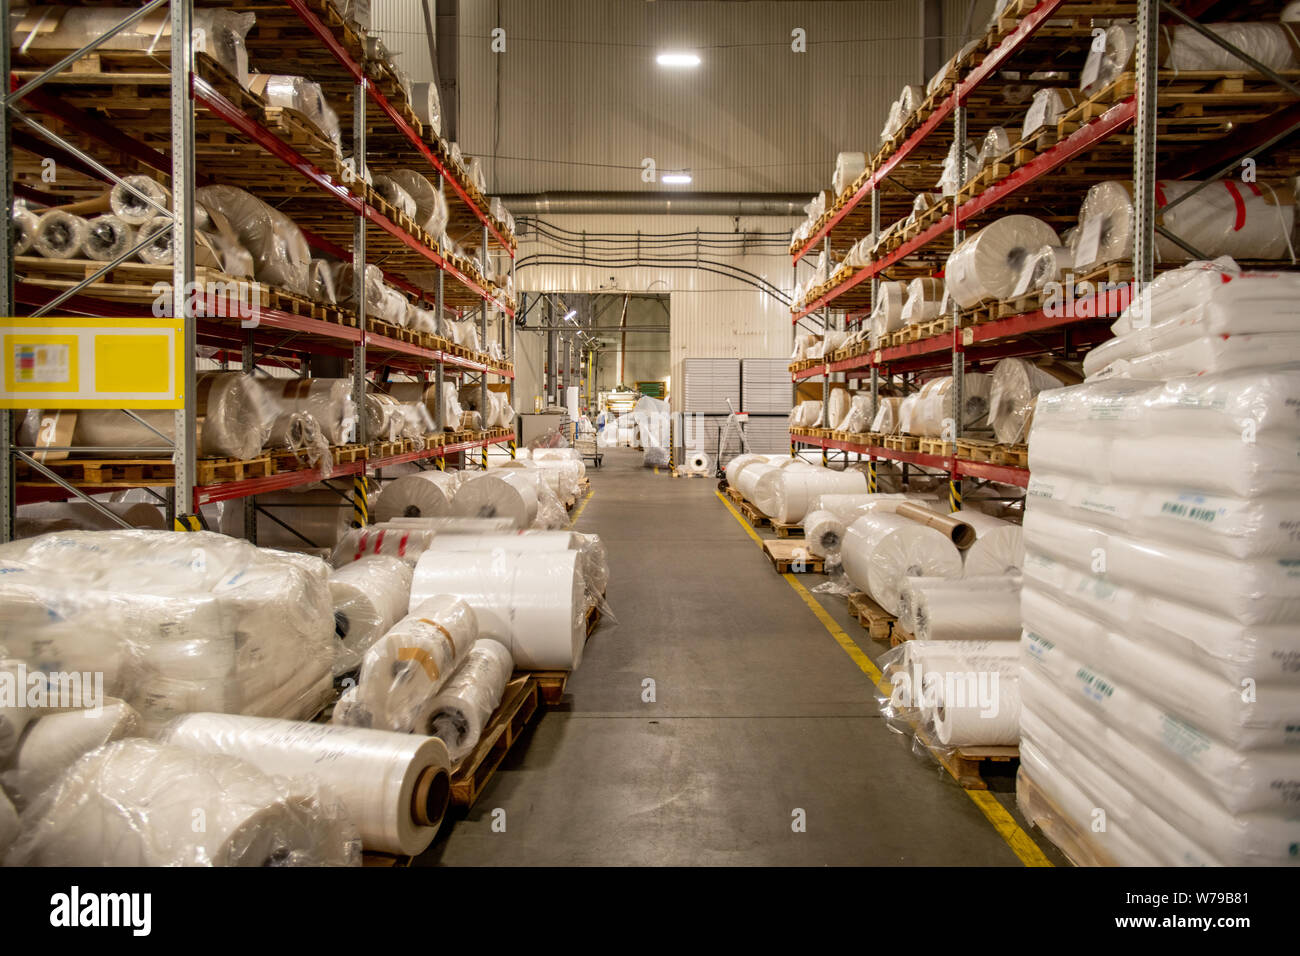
182 118
1144 142
6 294
958 353
485 264
360 483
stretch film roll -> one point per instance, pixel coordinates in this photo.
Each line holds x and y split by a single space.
887 416
738 465
466 702
54 742
60 235
134 802
975 723
595 569
507 493
888 314
531 602
25 223
795 488
425 102
369 597
999 546
35 519
327 401
840 402
107 237
403 672
881 550
1012 393
159 251
427 494
130 208
987 264
395 786
979 611
767 486
824 533
397 542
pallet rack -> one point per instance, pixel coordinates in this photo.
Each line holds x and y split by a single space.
176 113
1189 124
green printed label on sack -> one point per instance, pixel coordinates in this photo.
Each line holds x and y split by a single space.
1054 490
1182 738
1100 499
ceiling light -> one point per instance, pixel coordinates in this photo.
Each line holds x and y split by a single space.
676 179
678 59
571 313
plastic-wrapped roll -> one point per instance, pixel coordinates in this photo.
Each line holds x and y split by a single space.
888 421
369 597
888 314
383 417
159 251
987 264
767 489
923 300
463 706
881 550
422 192
824 533
907 418
403 672
327 401
595 570
130 208
747 481
107 237
934 405
25 223
1106 62
534 602
394 786
45 517
1110 205
1015 384
60 235
392 191
974 722
795 489
740 463
404 543
427 105
507 493
1008 583
1266 42
133 802
428 494
858 417
451 525
1046 108
977 612
996 145
1045 264
54 742
999 547
840 403
281 255
697 463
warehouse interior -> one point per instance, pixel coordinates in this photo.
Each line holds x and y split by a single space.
747 433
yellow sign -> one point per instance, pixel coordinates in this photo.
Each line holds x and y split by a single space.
86 362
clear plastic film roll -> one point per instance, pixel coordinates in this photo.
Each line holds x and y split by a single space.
369 597
881 550
327 401
55 741
888 420
999 547
824 533
1046 108
391 190
1266 42
159 250
25 224
841 401
987 264
130 207
405 669
996 144
923 298
933 410
1015 384
504 493
1045 264
133 802
427 105
595 567
795 489
427 494
466 702
393 786
281 255
60 235
534 602
422 192
300 94
107 238
976 609
398 542
858 417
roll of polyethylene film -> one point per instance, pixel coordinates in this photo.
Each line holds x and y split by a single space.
887 417
974 613
424 100
60 235
133 802
747 480
992 720
107 237
504 493
987 264
767 491
130 207
908 594
404 543
936 666
327 400
54 742
841 401
737 466
25 223
395 786
881 550
999 547
796 488
466 702
824 533
408 666
369 597
452 525
427 494
697 462
49 516
532 602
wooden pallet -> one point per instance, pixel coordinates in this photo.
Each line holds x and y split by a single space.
1064 832
387 449
902 443
964 764
290 460
145 472
935 446
519 703
551 684
593 619
976 449
875 619
899 636
791 558
787 530
755 517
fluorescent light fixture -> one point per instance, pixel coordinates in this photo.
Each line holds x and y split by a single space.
675 179
678 59
570 315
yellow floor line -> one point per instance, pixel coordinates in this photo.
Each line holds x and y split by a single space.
578 513
1022 845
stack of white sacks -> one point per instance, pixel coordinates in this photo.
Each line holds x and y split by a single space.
1160 604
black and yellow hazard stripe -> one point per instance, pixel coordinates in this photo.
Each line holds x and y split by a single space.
485 448
954 495
872 485
188 523
826 457
514 447
360 504
442 463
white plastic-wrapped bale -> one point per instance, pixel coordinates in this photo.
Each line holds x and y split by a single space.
466 702
881 550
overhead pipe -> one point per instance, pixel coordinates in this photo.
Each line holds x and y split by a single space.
655 204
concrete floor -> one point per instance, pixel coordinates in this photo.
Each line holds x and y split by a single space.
758 712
